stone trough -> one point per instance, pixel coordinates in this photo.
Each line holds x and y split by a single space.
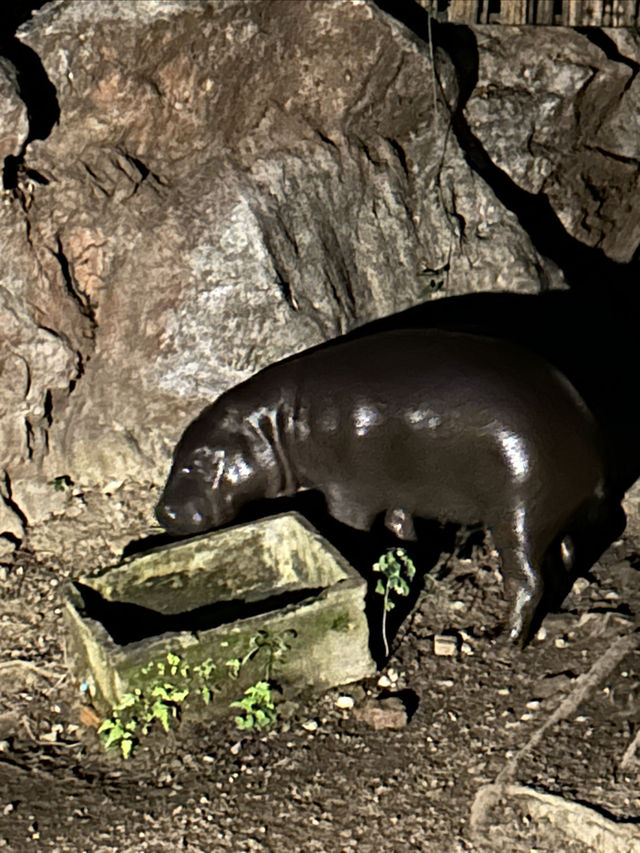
267 600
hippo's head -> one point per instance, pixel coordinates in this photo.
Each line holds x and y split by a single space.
213 475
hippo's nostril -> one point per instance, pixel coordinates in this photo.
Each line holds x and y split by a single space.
183 516
166 511
166 514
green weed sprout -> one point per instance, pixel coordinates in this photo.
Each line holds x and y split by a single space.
162 700
392 565
276 646
259 711
136 711
116 730
258 707
61 483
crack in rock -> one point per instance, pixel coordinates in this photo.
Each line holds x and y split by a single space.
607 45
39 96
6 496
81 299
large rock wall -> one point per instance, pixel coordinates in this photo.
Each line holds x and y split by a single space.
194 190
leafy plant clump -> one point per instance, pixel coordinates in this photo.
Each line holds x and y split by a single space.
166 684
275 645
258 709
257 704
398 570
134 714
162 700
61 483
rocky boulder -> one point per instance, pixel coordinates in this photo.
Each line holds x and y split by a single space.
196 190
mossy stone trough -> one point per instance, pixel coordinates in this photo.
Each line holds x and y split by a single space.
270 599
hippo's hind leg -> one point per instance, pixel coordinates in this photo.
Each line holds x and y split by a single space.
529 556
522 554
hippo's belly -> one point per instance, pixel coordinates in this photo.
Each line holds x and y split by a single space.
430 467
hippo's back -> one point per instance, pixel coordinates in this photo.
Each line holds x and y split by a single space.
454 425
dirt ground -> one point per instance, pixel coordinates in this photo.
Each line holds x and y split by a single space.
551 728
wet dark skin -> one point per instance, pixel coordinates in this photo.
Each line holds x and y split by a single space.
415 423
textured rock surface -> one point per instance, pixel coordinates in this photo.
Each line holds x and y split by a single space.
209 187
563 120
15 125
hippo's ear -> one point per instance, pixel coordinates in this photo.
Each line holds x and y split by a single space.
218 468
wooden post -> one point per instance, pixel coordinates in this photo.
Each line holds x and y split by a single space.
464 11
513 12
543 12
582 13
625 13
567 13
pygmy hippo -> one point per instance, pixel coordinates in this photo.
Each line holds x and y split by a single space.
417 423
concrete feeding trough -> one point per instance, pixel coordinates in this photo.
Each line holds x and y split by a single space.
270 599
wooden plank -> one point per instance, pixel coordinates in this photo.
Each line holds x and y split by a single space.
569 12
464 11
594 11
513 12
573 13
582 13
624 13
543 12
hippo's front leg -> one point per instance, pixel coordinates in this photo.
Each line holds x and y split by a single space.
400 522
348 508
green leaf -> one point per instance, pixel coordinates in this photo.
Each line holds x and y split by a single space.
105 726
161 691
177 695
206 668
115 734
127 701
380 588
161 712
126 747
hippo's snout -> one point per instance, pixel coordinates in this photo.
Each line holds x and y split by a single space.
184 516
